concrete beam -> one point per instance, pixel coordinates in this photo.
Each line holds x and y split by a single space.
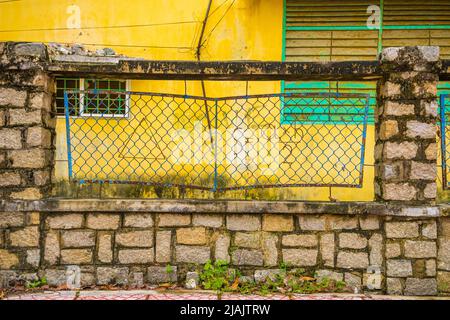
215 70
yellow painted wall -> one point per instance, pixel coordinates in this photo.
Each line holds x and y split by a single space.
246 30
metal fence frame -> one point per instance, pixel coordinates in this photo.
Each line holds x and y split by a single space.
445 149
216 188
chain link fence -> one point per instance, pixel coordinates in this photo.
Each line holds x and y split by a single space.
216 144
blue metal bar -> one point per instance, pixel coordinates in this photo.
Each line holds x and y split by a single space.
69 148
445 184
216 165
363 142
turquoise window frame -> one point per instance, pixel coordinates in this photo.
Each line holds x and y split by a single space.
325 84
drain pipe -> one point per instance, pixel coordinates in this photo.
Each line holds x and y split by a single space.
198 56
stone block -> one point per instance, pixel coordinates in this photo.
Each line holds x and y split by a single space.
400 150
329 274
105 252
388 129
33 257
420 287
77 239
27 194
207 220
444 254
443 281
420 249
192 254
398 109
10 139
39 137
402 229
192 280
12 97
26 237
376 250
174 220
65 221
277 222
423 171
352 241
138 220
430 191
11 219
390 89
429 230
158 275
261 276
431 151
8 260
312 223
163 246
103 221
112 275
142 238
41 178
28 159
369 223
136 256
76 256
327 249
399 268
243 222
422 130
41 100
394 286
300 257
300 240
24 118
399 191
352 260
430 268
247 240
52 248
194 236
270 249
393 250
247 257
221 248
55 277
342 223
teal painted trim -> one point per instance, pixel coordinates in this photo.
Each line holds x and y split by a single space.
283 57
283 50
380 31
362 28
421 27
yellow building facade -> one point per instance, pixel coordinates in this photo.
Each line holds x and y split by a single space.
235 30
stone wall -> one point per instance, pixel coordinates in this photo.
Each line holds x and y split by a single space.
135 248
406 149
402 240
27 122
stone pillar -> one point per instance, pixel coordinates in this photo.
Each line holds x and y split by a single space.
27 122
406 123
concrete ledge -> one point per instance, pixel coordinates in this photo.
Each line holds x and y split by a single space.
223 206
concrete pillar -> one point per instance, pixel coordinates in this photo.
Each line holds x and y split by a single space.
27 122
406 125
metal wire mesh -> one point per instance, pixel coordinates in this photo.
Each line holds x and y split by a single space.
445 139
216 144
